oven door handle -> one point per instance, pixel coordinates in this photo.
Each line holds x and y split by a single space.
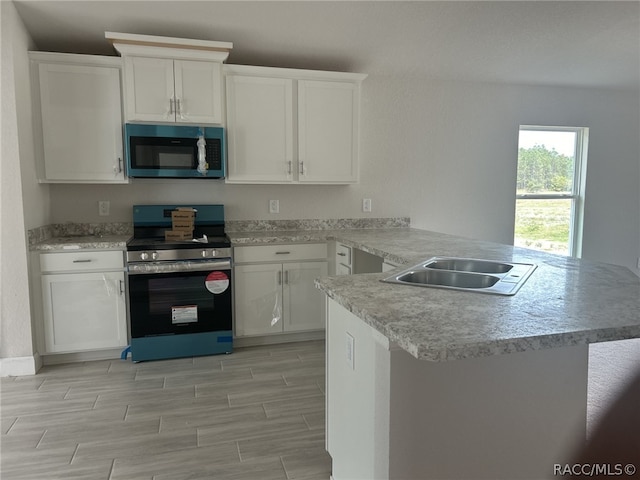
149 268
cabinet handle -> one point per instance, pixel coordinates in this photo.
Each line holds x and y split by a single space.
119 165
301 168
342 254
171 106
280 277
121 287
286 277
86 260
283 253
289 163
179 109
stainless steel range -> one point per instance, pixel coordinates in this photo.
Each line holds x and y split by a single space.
180 292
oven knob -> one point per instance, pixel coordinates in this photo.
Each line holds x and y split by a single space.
154 256
144 256
214 253
204 253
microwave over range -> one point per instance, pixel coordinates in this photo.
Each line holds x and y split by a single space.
174 151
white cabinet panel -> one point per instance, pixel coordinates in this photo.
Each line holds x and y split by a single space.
327 131
198 87
292 126
306 304
258 299
260 129
81 119
84 311
149 89
276 295
173 91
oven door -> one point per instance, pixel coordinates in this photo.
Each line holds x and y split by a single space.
173 298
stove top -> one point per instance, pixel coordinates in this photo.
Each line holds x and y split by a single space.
150 222
159 243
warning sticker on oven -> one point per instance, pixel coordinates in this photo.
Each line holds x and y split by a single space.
217 282
184 314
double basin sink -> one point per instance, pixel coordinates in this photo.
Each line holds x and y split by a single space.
468 274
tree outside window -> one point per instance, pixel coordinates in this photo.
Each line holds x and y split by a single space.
550 188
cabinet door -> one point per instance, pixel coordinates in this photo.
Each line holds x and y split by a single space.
306 304
84 311
81 123
149 89
198 91
260 129
258 299
327 131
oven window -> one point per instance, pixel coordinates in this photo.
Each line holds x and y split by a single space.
176 303
168 293
165 156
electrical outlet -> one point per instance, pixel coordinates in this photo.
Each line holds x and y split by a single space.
274 206
103 208
366 204
350 351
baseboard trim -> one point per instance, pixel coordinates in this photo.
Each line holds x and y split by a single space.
88 356
20 366
278 338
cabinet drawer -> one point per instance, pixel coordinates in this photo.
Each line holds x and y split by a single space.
343 254
82 261
280 253
343 269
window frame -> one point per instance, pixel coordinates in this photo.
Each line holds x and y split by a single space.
578 187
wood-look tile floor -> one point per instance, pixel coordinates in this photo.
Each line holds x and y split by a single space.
257 413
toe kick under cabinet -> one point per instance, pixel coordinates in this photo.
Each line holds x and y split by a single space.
274 288
83 301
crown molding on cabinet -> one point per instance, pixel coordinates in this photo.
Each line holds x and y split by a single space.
155 46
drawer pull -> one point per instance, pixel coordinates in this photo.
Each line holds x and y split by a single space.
342 254
283 253
86 260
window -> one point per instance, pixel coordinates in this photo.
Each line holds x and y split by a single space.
550 185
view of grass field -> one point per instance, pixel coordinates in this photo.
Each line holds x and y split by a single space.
543 224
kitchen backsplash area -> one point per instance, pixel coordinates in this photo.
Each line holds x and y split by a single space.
315 224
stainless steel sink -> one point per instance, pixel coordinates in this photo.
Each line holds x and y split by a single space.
469 274
469 265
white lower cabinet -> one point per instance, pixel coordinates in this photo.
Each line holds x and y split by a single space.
83 297
279 297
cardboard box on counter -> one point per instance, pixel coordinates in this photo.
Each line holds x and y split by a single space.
178 235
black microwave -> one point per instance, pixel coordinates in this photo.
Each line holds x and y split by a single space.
174 151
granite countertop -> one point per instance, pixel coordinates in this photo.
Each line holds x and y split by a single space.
565 302
82 242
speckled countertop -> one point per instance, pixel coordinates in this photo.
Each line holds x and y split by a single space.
565 302
82 242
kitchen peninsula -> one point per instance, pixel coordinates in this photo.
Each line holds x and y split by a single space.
426 383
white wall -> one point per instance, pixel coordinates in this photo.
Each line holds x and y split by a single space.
16 344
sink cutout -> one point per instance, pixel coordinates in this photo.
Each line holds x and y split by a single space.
469 265
467 274
449 279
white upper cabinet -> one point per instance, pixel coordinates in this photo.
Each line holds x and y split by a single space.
173 91
292 126
327 131
171 80
78 116
260 129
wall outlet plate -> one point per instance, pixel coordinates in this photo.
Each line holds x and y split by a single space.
103 208
274 206
350 351
366 204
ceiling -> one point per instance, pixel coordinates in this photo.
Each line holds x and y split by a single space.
590 44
